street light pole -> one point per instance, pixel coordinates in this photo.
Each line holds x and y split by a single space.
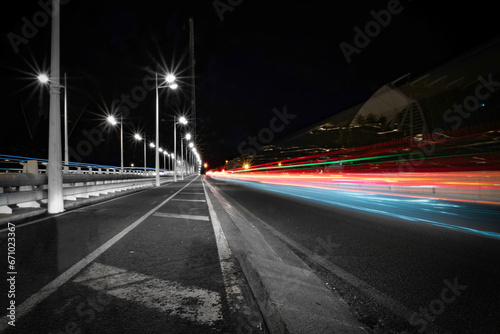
183 121
157 153
175 150
145 168
138 137
112 120
55 202
170 82
164 162
182 159
186 163
190 153
171 163
121 142
43 78
66 149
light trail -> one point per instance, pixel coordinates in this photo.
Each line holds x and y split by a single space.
446 187
429 211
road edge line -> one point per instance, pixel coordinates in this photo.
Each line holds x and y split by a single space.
234 294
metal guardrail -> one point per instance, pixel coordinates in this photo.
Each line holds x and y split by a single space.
12 164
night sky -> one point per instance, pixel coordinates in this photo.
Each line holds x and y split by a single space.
251 57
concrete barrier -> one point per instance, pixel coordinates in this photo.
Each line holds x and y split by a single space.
29 190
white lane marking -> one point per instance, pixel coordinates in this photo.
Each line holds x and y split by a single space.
193 193
190 303
231 283
174 215
189 200
47 290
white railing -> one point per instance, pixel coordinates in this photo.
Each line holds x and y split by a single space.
15 164
29 187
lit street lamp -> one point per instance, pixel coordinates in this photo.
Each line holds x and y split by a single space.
139 138
112 120
164 160
191 146
171 158
170 83
184 163
181 120
44 79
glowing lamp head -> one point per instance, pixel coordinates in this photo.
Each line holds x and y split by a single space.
137 136
170 78
43 78
246 166
183 120
112 120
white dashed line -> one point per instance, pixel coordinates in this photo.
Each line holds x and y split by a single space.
174 215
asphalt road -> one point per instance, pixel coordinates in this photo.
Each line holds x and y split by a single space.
403 265
150 262
147 262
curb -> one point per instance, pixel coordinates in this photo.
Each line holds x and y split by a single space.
290 296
